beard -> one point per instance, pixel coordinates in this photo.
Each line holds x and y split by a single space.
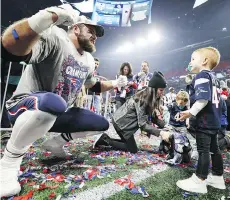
85 44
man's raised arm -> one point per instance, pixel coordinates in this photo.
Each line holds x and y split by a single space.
19 38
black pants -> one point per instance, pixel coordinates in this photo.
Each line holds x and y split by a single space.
207 143
221 139
123 144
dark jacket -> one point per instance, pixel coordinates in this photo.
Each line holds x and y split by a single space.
130 117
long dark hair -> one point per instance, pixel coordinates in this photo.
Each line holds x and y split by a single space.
122 68
147 98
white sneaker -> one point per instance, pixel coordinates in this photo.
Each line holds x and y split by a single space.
193 184
216 181
55 147
9 185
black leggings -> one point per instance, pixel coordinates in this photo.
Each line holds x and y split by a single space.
123 144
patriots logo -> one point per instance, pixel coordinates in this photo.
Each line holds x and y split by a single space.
199 90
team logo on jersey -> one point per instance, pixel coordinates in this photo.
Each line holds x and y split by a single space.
71 78
199 91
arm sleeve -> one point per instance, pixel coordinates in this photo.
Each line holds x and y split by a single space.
142 116
47 44
151 130
203 86
198 106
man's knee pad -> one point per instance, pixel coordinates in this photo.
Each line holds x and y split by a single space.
52 103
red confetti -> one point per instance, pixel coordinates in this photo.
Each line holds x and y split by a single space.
46 154
23 181
227 169
25 197
31 183
227 180
59 178
45 170
52 195
22 168
32 164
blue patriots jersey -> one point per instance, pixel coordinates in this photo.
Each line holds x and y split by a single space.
142 80
205 86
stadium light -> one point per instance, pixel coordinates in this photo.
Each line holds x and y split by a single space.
141 42
126 47
154 36
119 49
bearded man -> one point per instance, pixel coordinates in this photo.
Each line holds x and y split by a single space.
61 62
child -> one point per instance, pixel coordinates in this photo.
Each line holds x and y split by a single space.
134 114
207 110
182 98
175 155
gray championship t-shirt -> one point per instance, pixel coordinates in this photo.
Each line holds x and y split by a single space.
60 68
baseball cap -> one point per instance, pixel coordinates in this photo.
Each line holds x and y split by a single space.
84 20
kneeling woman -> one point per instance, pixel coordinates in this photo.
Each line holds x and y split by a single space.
134 114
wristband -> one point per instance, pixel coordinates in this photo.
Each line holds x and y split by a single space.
40 21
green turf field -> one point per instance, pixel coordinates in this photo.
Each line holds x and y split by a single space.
160 186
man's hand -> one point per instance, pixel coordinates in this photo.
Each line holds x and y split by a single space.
165 135
141 74
66 15
184 115
120 82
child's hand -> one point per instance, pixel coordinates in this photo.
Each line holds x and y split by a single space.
165 135
184 115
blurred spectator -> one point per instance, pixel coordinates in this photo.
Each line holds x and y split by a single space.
143 77
122 94
170 97
94 99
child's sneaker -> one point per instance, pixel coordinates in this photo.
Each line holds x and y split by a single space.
216 181
193 184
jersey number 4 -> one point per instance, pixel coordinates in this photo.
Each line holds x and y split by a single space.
215 99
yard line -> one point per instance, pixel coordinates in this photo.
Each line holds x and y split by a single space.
109 189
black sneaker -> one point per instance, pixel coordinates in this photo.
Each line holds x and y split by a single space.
102 139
